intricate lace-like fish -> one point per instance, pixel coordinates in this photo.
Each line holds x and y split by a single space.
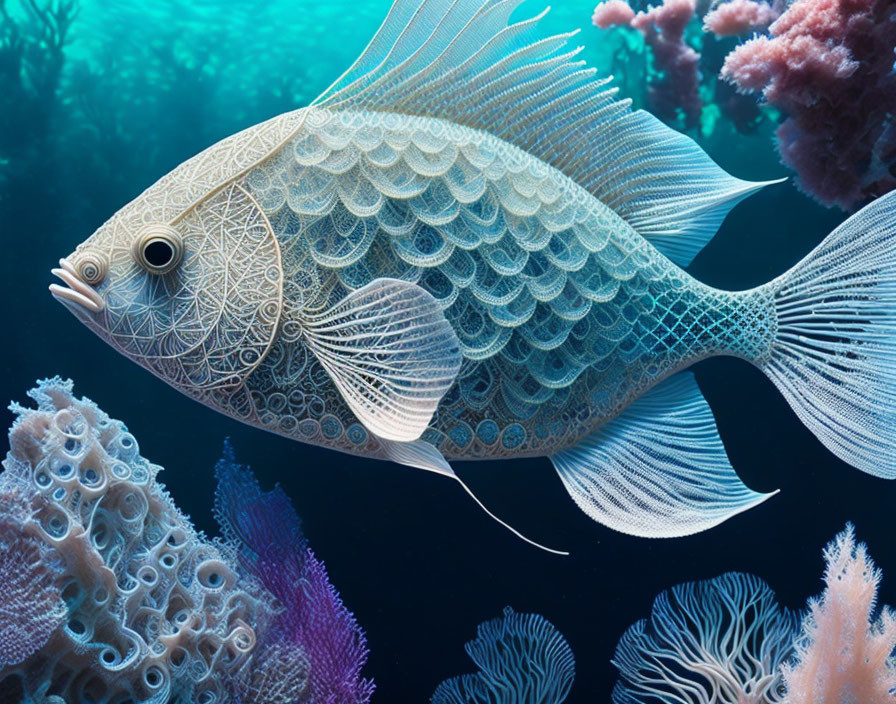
468 248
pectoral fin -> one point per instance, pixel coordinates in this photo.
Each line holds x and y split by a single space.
391 353
659 470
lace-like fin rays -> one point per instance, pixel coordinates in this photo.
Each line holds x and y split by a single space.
391 353
659 470
461 61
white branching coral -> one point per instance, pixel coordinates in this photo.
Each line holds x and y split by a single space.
845 654
153 612
720 641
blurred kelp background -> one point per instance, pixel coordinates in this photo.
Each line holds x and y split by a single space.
99 98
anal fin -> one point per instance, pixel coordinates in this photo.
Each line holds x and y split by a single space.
658 470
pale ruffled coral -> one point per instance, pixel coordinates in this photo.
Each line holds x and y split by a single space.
152 609
845 652
31 606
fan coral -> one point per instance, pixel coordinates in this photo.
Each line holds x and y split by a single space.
314 634
844 654
676 92
522 659
114 596
738 17
828 65
715 642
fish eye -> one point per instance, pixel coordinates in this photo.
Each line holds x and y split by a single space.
158 249
91 268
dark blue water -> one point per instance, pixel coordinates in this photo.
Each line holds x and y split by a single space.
135 91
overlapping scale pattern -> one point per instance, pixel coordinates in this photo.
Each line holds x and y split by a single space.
563 312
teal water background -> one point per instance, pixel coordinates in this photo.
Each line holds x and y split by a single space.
139 88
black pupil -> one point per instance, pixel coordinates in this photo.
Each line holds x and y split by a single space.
158 253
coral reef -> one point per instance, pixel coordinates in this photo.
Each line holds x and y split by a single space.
522 659
116 596
314 635
828 66
719 641
824 66
727 641
845 653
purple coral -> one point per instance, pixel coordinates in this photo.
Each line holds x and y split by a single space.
612 13
828 65
314 619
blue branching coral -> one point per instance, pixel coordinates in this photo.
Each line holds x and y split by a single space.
720 641
109 595
522 659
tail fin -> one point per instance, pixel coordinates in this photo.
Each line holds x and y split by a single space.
834 358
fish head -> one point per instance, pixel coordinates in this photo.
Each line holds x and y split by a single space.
186 280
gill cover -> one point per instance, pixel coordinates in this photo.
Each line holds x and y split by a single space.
207 323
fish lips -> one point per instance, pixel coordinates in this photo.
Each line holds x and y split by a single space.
76 295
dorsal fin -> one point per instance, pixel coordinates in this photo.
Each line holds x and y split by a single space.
460 60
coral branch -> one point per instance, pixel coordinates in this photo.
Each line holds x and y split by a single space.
844 654
522 659
314 620
675 94
738 17
612 13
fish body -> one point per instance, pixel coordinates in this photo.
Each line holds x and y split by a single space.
564 314
468 249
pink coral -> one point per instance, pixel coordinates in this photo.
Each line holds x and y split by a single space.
612 13
827 65
663 29
843 655
677 90
738 17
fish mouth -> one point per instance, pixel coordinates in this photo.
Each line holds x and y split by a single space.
75 290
